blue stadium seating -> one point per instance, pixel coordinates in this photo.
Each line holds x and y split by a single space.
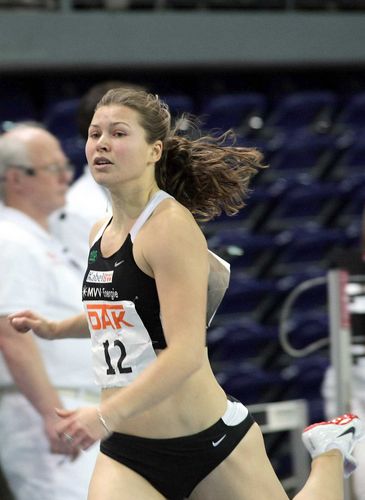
309 247
250 384
352 114
16 105
60 118
307 327
234 342
238 111
311 109
307 203
179 104
302 156
244 250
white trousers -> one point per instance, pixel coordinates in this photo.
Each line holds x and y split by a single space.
32 472
357 407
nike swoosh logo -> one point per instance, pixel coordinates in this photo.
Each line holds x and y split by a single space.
118 263
350 430
216 443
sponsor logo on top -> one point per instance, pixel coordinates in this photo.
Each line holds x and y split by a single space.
107 316
100 276
93 255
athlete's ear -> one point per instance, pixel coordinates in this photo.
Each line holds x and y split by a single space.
156 151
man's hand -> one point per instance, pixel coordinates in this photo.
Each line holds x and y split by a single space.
58 442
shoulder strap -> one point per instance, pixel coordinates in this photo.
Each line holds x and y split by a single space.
100 232
147 211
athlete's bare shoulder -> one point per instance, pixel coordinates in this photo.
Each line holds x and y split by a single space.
96 228
170 210
172 227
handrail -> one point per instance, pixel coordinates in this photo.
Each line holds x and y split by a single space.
285 313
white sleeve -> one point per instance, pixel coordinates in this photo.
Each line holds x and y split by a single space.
23 277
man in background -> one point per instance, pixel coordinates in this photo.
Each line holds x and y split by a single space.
36 376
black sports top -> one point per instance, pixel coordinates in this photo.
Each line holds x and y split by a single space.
123 309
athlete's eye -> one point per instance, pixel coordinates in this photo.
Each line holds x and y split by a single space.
94 135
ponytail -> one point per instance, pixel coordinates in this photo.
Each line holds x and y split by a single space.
207 176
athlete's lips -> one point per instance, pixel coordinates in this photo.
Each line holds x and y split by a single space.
100 161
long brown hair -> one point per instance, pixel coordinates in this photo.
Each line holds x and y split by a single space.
204 174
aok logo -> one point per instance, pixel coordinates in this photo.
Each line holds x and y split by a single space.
102 316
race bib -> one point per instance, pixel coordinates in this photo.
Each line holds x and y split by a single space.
121 345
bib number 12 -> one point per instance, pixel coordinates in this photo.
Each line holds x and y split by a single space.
122 356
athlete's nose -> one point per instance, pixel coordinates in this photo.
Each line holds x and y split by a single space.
102 144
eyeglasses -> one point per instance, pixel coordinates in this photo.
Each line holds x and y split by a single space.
53 169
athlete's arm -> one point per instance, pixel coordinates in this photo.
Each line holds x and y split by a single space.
73 327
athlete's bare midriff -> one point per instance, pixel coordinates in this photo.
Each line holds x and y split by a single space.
198 404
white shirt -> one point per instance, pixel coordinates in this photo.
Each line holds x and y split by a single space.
86 203
37 274
87 198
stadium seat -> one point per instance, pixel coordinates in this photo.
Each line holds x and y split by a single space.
314 298
259 204
311 109
251 384
60 118
252 253
302 156
352 212
309 247
352 160
233 342
248 296
305 328
238 111
305 375
74 148
179 103
16 105
352 114
307 204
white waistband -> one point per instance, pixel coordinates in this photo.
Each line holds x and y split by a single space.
235 413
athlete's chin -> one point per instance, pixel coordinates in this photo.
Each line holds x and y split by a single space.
102 177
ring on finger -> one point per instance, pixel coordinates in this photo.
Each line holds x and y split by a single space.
68 437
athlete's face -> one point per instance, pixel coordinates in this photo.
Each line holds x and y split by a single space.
116 149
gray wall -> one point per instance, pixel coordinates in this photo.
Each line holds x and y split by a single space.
42 40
